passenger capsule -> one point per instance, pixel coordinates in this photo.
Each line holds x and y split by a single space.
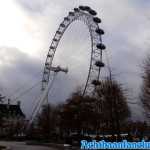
101 46
92 12
76 9
45 72
82 8
58 32
49 55
44 80
99 31
97 20
99 64
96 82
87 8
62 25
55 40
46 64
52 47
66 19
71 13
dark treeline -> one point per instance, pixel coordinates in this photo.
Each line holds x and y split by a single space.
104 113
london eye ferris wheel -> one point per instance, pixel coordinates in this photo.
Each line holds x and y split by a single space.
89 18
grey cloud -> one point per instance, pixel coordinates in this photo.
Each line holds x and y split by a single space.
127 36
18 72
34 5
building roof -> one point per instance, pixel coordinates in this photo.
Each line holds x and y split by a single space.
11 110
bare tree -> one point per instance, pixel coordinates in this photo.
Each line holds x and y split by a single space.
47 121
78 113
114 108
145 90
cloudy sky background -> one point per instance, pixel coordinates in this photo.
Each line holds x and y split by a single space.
28 26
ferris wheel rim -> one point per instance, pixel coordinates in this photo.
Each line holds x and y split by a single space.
88 16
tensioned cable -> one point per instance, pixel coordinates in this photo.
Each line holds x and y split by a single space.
27 90
22 86
35 99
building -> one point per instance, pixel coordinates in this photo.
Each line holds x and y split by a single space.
12 119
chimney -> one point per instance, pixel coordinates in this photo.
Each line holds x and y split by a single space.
8 101
18 103
8 105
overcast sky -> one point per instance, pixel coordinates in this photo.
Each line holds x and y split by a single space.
28 26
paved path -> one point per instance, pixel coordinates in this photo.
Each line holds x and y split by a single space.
23 146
